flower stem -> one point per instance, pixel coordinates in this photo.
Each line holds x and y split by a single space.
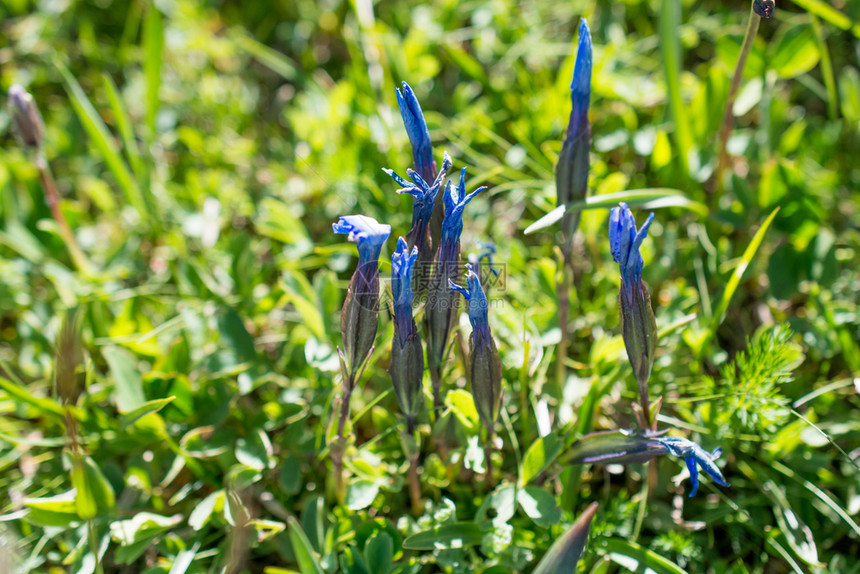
749 38
52 197
563 288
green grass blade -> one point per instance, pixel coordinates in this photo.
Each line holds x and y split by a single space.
670 43
735 280
652 198
636 558
123 125
826 68
102 139
307 560
153 34
829 14
275 61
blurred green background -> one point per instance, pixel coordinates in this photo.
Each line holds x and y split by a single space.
202 151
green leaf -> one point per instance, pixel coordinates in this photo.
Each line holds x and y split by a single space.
137 534
128 385
735 279
57 510
798 534
796 51
361 493
42 404
670 46
379 552
123 125
147 408
563 555
275 61
463 406
539 456
204 509
456 535
828 13
539 505
307 560
256 451
635 558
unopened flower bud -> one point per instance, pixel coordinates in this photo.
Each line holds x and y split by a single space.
28 121
407 356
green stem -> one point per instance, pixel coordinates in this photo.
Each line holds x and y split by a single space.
94 545
725 129
826 67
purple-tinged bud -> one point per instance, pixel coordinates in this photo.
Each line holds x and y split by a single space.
359 318
484 363
764 8
28 121
424 195
638 326
407 356
571 175
441 308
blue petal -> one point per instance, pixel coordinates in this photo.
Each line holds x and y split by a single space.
402 266
624 243
455 203
416 129
694 475
365 231
580 85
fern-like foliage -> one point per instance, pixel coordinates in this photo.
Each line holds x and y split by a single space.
751 385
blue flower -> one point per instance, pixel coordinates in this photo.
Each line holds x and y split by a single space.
485 367
424 193
455 199
407 356
402 266
573 161
359 318
366 232
624 242
694 455
416 129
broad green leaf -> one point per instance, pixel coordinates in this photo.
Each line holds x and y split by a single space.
147 408
636 558
796 51
539 505
307 560
456 535
137 534
203 510
128 385
563 556
539 456
379 552
57 510
361 493
828 13
255 451
463 406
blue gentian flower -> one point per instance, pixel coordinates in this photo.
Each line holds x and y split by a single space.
407 356
485 364
573 161
441 309
359 318
624 242
419 135
638 326
695 456
488 250
424 195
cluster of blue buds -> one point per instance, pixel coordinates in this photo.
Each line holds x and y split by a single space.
407 356
484 363
440 312
638 326
424 196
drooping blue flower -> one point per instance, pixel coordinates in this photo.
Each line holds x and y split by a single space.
359 318
484 363
416 129
695 456
366 232
573 161
407 356
624 242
